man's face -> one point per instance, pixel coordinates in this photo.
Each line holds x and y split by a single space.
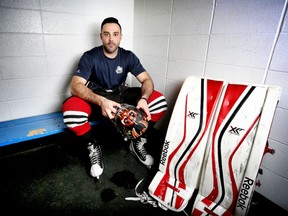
110 36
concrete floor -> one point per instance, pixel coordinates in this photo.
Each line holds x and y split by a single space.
50 176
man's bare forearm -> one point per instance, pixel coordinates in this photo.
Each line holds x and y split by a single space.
85 93
147 88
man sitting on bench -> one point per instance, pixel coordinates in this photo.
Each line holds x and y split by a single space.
98 86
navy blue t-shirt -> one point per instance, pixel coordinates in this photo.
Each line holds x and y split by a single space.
109 73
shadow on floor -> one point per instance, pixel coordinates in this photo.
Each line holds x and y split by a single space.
50 176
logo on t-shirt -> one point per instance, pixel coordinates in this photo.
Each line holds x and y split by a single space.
119 70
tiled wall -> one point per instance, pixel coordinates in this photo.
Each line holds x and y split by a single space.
230 40
41 42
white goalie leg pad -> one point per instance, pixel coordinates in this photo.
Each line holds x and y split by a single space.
254 162
185 143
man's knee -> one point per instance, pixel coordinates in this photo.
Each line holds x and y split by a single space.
157 106
75 115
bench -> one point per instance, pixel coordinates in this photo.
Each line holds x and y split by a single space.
29 128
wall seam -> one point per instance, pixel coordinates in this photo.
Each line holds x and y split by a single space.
279 27
168 43
209 36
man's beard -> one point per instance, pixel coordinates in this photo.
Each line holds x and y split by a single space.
109 49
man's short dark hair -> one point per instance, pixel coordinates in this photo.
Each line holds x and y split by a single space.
110 20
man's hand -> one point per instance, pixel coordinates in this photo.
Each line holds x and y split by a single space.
142 104
147 88
109 108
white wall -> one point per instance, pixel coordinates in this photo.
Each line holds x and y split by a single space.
41 42
229 40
